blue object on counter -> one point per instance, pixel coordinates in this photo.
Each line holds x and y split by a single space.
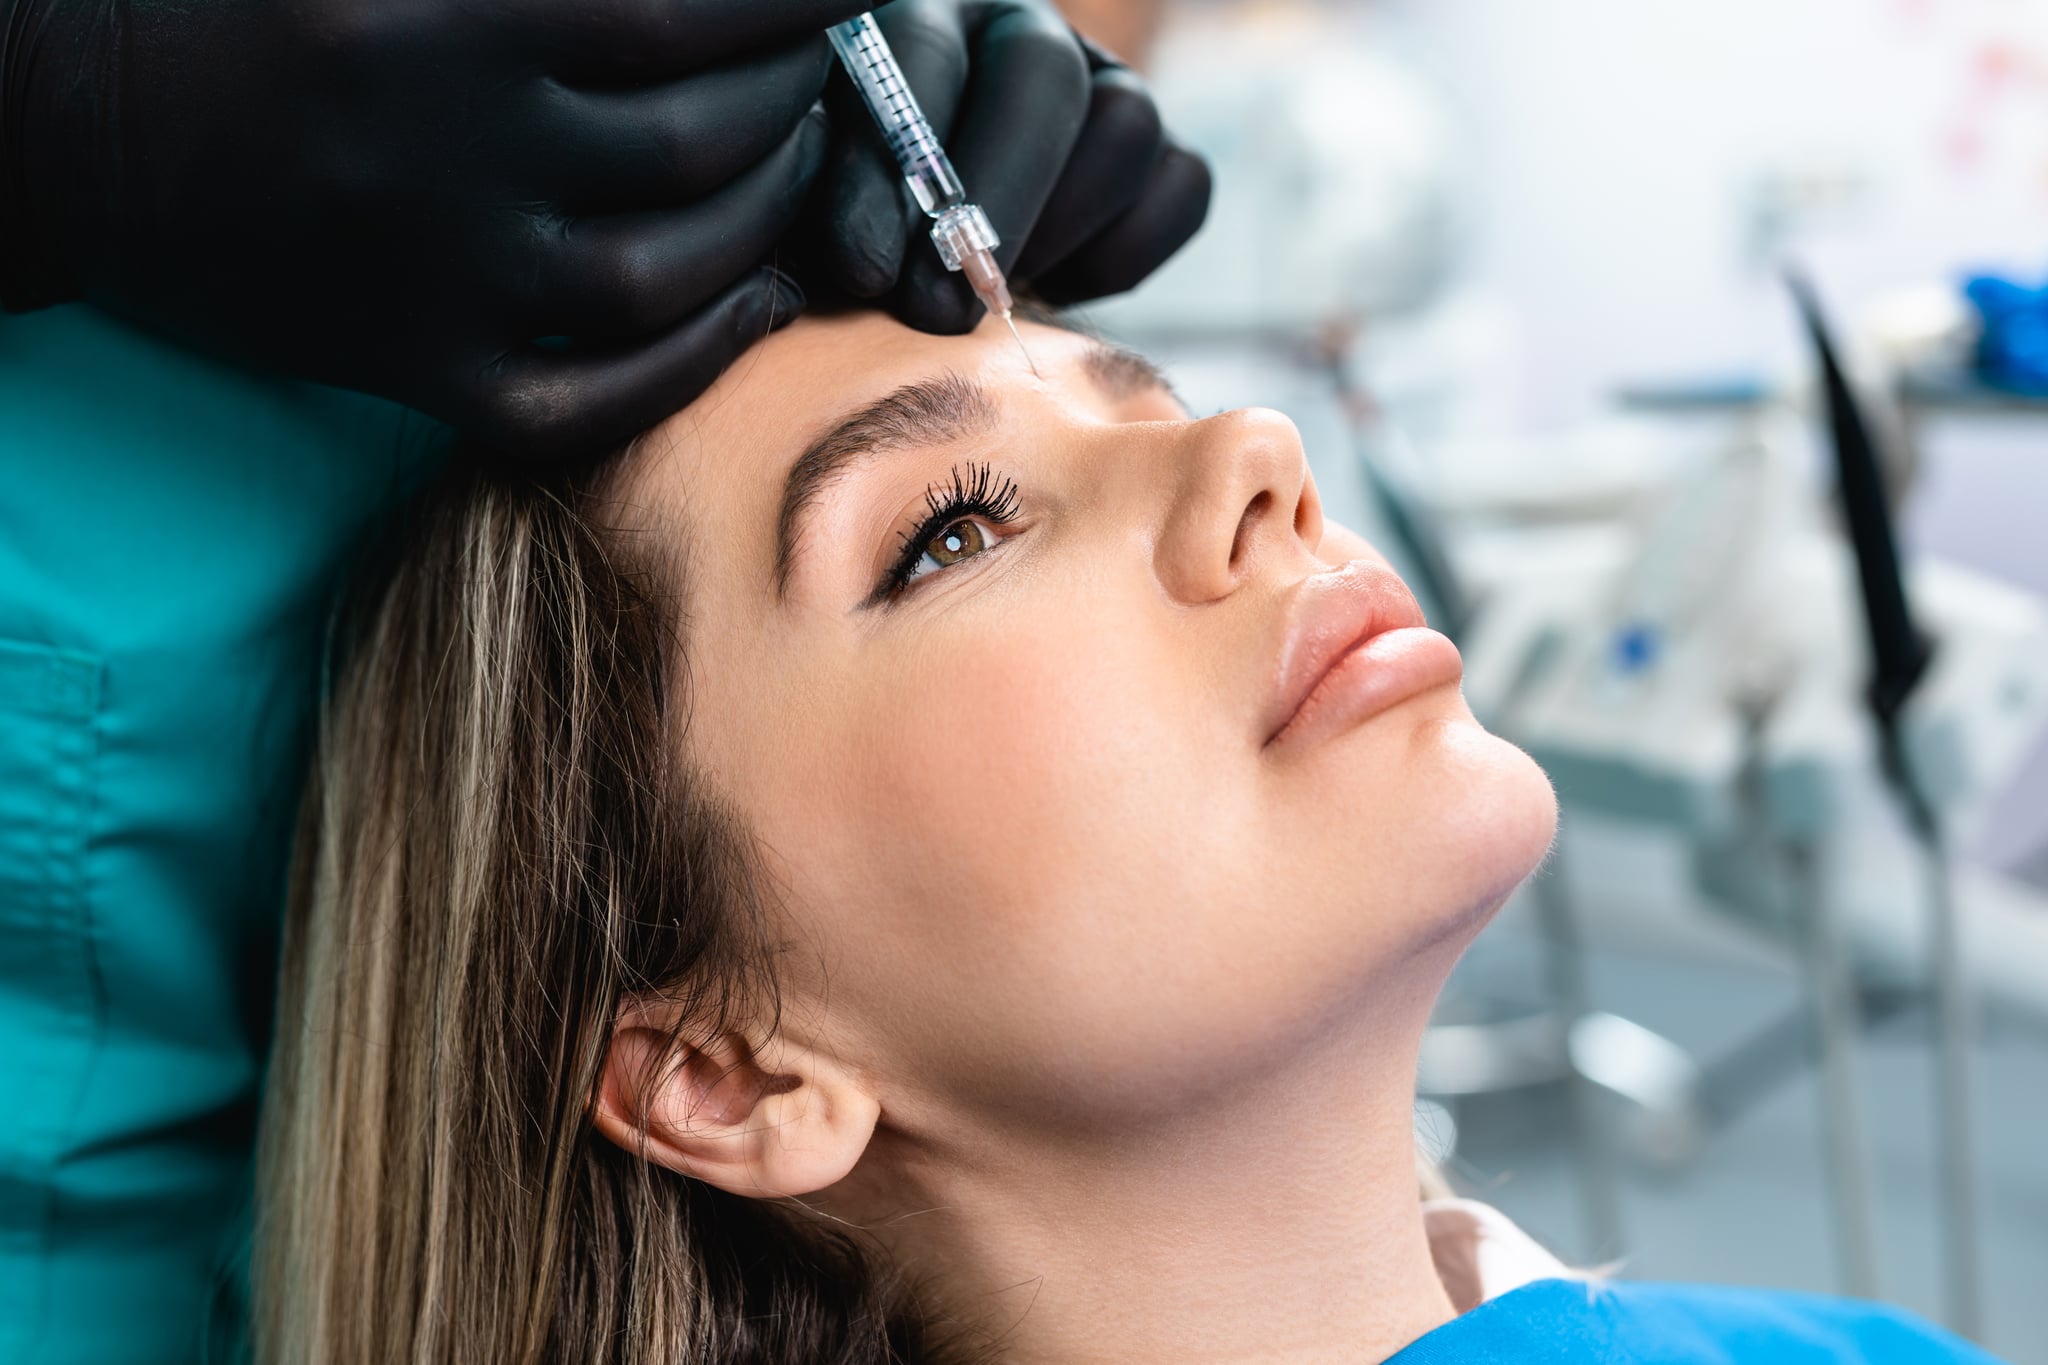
1637 647
2012 352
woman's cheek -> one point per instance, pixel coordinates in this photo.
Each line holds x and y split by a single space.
1019 731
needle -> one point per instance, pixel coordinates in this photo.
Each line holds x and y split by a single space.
1011 323
985 278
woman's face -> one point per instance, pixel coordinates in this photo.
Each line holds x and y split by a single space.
1003 672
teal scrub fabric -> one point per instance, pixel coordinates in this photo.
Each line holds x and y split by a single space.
170 534
1573 1322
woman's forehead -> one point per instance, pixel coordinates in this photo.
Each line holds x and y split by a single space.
731 449
798 380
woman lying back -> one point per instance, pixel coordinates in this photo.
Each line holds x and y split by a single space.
913 862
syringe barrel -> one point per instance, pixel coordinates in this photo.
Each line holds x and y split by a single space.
867 58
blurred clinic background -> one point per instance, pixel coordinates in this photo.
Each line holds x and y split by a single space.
1692 361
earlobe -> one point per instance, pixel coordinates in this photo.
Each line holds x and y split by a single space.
716 1114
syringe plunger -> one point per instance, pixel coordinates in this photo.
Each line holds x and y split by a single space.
965 238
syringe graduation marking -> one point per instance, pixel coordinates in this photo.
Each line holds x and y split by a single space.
962 233
905 128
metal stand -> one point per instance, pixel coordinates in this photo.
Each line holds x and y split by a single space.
1790 838
1831 996
1953 1030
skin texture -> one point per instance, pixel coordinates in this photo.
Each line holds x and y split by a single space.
1102 1012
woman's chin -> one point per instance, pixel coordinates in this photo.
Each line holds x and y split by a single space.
1462 815
1508 817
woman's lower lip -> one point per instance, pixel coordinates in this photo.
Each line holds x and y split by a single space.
1383 672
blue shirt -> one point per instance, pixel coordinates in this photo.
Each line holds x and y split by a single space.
1579 1322
171 531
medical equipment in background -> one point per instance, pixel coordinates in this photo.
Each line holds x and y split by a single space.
1334 170
1707 673
960 230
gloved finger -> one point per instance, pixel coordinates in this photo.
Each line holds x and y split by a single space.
1025 104
624 147
621 40
1169 211
631 274
871 220
544 407
1119 145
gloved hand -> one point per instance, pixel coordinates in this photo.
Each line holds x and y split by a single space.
404 196
1052 136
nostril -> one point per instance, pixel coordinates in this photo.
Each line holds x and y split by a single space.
1253 510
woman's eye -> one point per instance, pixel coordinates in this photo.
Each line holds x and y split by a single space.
959 540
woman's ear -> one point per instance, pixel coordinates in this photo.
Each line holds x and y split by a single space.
717 1114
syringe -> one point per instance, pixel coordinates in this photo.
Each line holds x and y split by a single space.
962 231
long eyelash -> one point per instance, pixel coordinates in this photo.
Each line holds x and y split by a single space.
978 494
969 490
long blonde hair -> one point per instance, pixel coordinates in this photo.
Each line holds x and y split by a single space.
498 845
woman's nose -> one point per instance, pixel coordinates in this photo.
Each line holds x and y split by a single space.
1243 494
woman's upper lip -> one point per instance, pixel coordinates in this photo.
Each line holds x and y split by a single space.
1329 615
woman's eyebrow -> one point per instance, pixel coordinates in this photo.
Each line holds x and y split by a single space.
943 408
929 412
1122 372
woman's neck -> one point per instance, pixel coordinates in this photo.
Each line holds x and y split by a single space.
1289 1228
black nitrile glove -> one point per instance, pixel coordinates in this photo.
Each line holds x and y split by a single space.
1052 136
405 196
